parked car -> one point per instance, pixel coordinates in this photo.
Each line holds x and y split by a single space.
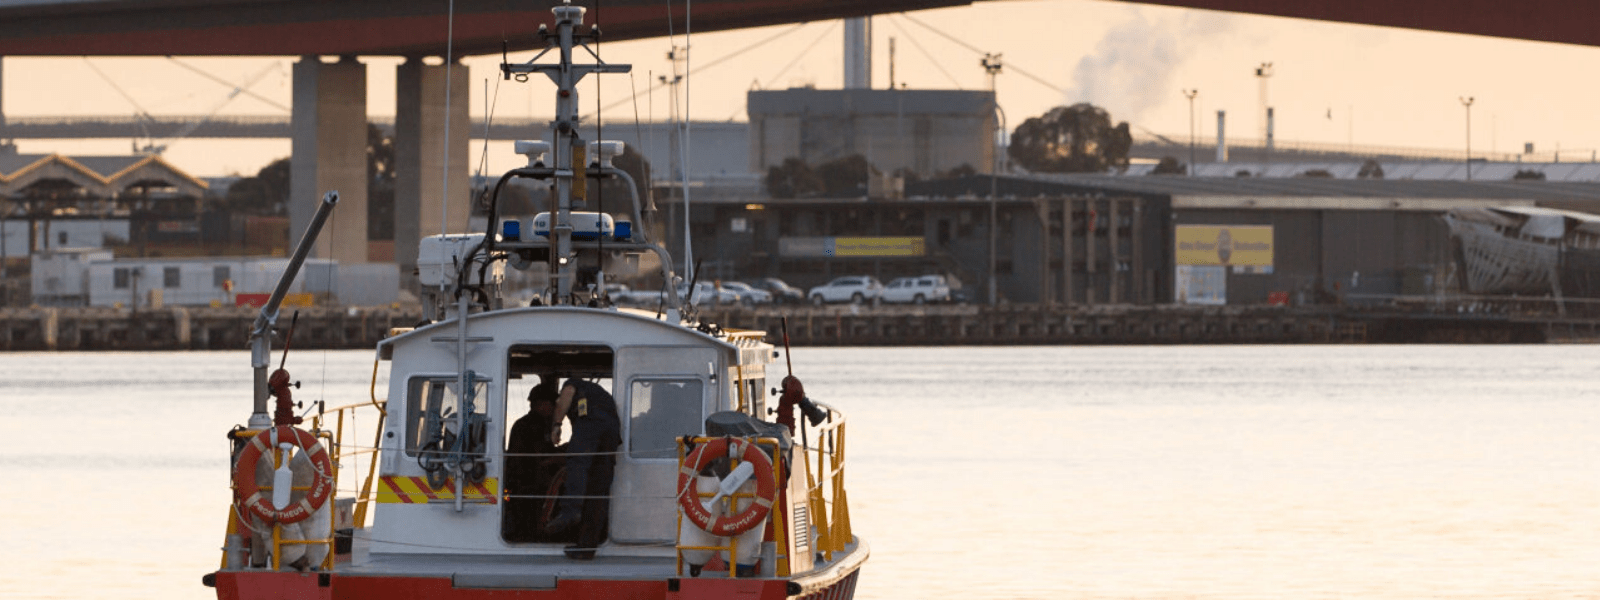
917 290
856 289
782 292
706 293
748 294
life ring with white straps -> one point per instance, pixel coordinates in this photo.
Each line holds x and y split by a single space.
724 524
247 492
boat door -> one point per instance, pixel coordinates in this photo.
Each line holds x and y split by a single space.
664 393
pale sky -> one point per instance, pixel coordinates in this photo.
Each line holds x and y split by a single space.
1332 83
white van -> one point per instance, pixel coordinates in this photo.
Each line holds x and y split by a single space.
918 290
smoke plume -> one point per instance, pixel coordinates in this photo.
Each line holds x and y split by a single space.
1135 66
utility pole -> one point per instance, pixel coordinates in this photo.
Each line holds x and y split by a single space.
1263 73
1467 102
992 65
674 152
1190 94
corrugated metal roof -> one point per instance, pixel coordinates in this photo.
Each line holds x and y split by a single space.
1167 185
99 174
107 166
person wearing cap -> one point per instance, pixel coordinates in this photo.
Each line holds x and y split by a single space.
596 434
531 460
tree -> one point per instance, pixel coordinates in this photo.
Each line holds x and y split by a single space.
613 192
380 184
792 179
845 176
956 172
266 194
1072 139
1170 166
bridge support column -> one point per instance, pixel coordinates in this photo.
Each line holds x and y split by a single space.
329 140
421 187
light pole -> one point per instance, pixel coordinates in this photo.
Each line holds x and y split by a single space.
1467 102
992 65
1190 94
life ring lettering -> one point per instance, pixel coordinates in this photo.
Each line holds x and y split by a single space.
247 492
744 520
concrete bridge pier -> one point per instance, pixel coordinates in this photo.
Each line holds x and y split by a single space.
420 146
329 152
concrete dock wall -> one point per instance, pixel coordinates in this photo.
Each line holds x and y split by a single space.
44 329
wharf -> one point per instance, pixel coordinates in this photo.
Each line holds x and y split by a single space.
1033 324
191 328
197 328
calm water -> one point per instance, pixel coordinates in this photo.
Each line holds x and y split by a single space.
1230 472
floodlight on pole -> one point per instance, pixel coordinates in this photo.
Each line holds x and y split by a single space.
1263 73
992 65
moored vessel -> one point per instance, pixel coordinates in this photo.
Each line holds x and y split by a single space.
676 475
1527 250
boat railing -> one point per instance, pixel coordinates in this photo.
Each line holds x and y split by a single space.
823 448
349 454
342 454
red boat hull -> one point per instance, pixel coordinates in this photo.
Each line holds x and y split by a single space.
267 585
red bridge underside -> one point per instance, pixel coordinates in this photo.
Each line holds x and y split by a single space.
415 27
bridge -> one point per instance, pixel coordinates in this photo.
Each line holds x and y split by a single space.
328 125
417 28
716 153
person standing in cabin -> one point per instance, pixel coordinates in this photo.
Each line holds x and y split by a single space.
596 434
532 460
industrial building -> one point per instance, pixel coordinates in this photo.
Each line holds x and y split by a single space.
1095 239
921 131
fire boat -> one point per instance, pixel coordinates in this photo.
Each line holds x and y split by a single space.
712 478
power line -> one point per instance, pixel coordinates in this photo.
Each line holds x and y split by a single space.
959 42
925 53
727 57
801 54
197 71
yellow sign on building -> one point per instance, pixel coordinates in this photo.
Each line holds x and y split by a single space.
1226 245
878 246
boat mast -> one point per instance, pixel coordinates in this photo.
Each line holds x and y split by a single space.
568 149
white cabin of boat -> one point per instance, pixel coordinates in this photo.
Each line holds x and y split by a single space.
665 379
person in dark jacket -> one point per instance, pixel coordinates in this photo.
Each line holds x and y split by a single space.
531 461
596 434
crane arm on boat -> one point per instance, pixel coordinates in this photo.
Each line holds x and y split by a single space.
261 330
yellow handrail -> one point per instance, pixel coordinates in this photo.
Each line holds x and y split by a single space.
334 442
826 485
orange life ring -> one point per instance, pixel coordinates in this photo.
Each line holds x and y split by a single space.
726 525
248 493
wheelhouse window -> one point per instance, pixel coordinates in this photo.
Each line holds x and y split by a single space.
663 409
432 405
